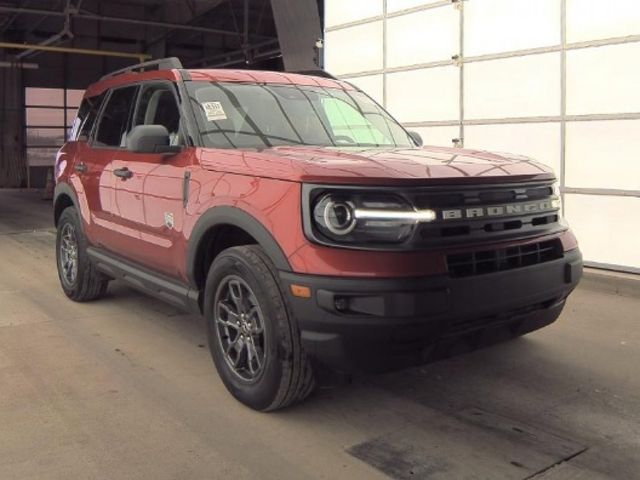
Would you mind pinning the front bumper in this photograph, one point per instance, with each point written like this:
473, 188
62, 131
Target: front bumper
374, 325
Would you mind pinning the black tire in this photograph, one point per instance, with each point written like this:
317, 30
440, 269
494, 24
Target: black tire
286, 376
87, 284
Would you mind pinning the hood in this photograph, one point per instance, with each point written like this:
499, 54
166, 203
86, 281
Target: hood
425, 165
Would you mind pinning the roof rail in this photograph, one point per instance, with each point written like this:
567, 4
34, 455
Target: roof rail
316, 73
160, 64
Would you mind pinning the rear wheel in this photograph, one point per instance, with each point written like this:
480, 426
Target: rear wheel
253, 337
79, 279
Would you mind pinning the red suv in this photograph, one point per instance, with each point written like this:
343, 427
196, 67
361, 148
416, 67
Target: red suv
305, 223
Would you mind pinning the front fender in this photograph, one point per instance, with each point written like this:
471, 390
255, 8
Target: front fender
228, 215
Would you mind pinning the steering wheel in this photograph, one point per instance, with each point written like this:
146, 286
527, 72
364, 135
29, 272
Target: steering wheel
344, 139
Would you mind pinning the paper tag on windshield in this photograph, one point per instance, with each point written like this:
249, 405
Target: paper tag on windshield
214, 111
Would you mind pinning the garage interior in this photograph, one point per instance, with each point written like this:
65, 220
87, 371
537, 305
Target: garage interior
124, 387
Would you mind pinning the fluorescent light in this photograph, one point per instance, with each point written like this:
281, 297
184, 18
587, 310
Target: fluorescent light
26, 65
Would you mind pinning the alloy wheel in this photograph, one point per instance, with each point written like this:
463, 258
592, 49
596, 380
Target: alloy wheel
68, 254
240, 327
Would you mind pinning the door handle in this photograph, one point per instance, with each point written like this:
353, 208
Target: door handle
123, 173
80, 168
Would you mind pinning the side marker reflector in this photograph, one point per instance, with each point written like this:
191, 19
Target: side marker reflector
301, 291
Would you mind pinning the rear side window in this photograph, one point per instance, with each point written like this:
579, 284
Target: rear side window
114, 120
86, 117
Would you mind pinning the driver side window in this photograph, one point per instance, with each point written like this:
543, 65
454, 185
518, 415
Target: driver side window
349, 125
157, 105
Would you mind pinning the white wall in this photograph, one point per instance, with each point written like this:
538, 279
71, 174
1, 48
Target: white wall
558, 80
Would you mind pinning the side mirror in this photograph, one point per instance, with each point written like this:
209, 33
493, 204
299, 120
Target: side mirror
416, 137
150, 139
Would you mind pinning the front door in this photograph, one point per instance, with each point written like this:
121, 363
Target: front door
149, 188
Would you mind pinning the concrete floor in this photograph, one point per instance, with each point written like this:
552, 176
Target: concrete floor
124, 388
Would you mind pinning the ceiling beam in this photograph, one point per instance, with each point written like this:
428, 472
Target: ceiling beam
82, 51
194, 19
104, 18
256, 52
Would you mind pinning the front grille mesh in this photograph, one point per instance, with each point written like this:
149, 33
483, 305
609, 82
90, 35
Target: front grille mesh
472, 228
486, 196
490, 261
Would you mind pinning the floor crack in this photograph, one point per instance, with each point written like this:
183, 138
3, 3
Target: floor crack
554, 465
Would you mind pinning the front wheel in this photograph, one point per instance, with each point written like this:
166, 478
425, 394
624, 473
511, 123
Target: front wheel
253, 337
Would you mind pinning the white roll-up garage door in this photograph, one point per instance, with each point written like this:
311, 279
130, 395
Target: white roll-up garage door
558, 80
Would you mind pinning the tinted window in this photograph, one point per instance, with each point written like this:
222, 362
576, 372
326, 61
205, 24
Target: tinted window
233, 115
157, 106
115, 118
86, 117
349, 124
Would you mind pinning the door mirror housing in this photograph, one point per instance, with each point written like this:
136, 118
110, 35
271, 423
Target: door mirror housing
151, 139
416, 137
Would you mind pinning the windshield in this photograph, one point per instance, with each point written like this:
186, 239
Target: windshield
236, 115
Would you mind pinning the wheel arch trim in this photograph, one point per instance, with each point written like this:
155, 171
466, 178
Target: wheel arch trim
227, 215
64, 189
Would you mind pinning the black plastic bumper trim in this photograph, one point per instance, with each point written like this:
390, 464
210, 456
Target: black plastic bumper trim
354, 323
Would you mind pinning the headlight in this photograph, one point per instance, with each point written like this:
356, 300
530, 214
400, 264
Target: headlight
338, 216
364, 218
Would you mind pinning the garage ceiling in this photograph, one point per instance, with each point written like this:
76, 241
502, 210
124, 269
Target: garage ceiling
228, 33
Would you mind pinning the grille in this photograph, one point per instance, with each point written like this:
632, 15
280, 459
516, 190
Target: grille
490, 261
465, 214
486, 196
495, 212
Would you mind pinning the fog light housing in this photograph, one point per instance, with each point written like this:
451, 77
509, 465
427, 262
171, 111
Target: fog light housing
341, 304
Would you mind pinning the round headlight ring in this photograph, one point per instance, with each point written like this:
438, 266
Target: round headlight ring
339, 217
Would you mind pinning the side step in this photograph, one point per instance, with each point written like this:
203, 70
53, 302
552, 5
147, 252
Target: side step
146, 280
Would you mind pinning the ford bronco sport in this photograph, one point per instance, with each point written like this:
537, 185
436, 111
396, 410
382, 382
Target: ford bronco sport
305, 224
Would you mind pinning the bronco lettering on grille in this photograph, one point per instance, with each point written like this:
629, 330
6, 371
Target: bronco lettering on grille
500, 210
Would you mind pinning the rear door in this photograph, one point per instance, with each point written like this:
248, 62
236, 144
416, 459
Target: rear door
107, 140
148, 206
91, 177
